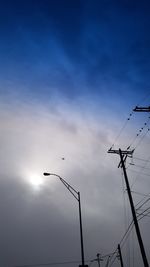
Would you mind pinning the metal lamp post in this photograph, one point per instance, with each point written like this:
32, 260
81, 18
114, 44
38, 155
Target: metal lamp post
76, 194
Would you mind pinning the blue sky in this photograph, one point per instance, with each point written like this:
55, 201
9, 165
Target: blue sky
70, 74
75, 48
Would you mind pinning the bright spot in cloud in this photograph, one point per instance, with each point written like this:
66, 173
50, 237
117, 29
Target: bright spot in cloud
36, 180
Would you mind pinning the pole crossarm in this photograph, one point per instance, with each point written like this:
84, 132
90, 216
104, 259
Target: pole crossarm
124, 152
67, 185
142, 109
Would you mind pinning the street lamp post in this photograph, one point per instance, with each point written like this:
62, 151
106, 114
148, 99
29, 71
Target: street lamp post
76, 194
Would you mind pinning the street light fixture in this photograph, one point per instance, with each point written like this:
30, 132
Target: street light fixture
76, 195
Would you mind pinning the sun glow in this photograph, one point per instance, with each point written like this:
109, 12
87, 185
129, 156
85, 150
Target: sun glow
36, 180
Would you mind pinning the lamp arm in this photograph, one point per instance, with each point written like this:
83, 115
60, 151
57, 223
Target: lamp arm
68, 186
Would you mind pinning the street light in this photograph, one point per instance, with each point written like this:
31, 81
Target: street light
76, 194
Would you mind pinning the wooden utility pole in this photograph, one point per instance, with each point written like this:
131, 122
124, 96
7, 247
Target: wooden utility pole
123, 155
120, 255
99, 259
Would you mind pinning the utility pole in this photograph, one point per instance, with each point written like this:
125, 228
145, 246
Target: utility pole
99, 259
123, 156
120, 255
142, 109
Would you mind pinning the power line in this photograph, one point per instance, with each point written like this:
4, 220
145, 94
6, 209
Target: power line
128, 119
139, 166
140, 159
113, 259
143, 99
143, 213
125, 236
143, 203
139, 172
138, 193
142, 138
139, 134
142, 199
121, 130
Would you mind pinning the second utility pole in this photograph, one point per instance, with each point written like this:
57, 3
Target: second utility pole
99, 259
120, 255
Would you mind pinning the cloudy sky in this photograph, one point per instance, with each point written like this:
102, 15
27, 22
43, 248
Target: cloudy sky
71, 71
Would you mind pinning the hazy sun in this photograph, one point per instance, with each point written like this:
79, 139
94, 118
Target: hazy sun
36, 180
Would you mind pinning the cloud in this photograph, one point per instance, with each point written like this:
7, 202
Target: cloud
33, 140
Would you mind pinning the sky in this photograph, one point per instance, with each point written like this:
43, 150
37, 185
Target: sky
71, 72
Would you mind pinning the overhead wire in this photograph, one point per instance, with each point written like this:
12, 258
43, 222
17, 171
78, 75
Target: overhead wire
138, 134
128, 119
122, 129
138, 193
145, 196
112, 260
139, 166
140, 172
133, 158
130, 227
142, 138
138, 175
125, 236
143, 204
143, 213
143, 99
137, 158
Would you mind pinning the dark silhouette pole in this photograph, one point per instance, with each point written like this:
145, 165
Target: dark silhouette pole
98, 259
81, 232
120, 256
134, 213
76, 194
123, 155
